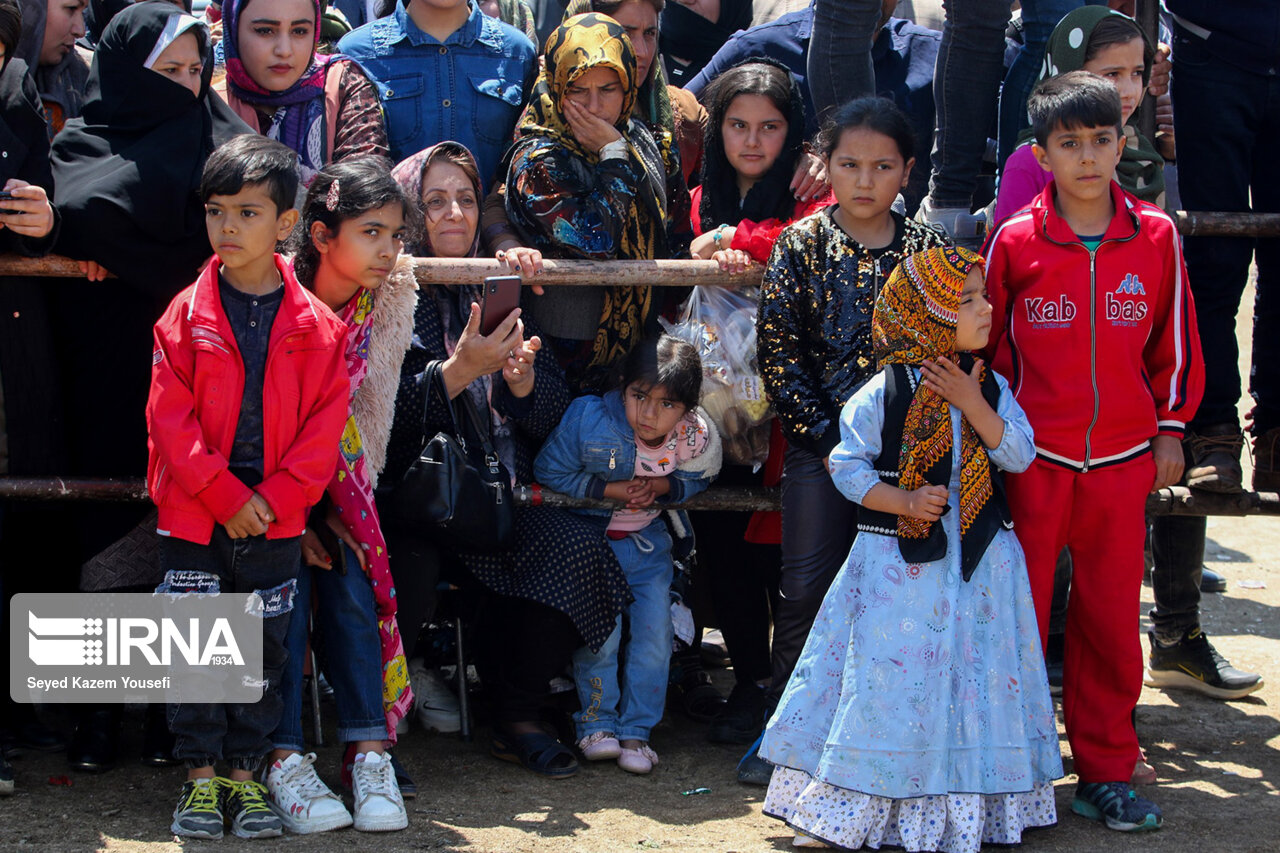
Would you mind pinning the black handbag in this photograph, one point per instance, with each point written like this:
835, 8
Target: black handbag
458, 492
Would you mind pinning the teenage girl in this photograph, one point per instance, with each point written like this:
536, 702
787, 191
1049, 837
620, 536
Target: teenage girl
643, 442
1111, 45
814, 349
753, 142
919, 712
353, 226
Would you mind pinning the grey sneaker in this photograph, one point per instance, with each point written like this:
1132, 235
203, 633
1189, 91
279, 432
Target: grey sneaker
1193, 663
957, 224
199, 811
251, 817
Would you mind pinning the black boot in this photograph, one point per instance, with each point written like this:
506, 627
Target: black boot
93, 744
157, 740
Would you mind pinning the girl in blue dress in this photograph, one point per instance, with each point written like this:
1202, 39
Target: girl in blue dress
919, 712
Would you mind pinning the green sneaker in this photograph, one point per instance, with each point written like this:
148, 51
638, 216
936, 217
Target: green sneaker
251, 817
1118, 804
199, 811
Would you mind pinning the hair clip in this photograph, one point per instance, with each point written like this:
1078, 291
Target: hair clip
331, 198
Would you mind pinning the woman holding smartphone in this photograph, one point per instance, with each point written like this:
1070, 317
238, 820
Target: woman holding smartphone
558, 585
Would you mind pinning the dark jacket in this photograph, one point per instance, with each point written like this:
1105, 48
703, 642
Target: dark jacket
813, 334
1245, 33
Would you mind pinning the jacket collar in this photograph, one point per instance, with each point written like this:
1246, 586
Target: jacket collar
297, 308
1124, 223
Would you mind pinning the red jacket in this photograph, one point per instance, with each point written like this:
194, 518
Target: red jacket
1100, 348
197, 382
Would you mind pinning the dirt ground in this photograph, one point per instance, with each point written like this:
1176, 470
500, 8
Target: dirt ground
1218, 765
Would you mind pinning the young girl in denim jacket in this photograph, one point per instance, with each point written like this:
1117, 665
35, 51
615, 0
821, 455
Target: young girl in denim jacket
642, 442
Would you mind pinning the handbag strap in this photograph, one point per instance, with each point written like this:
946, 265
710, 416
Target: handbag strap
434, 382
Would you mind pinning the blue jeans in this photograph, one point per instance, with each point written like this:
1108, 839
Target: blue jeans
966, 87
205, 732
1226, 121
346, 618
632, 705
839, 63
1039, 17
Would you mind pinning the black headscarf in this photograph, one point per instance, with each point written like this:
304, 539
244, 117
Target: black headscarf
127, 173
771, 196
688, 35
98, 14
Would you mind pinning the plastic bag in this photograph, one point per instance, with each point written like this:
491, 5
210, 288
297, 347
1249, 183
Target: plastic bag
721, 325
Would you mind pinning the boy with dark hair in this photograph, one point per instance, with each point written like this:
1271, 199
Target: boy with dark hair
248, 401
1094, 328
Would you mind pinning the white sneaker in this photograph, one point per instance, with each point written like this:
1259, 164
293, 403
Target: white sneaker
304, 803
435, 705
379, 806
956, 223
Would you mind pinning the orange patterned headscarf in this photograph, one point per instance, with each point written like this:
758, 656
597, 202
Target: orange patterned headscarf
915, 321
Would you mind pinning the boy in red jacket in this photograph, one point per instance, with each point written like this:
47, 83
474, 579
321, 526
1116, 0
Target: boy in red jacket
247, 405
1094, 327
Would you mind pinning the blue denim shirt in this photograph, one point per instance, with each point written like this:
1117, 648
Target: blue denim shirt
468, 88
594, 445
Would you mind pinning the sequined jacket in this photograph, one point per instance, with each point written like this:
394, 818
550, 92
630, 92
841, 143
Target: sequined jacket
813, 336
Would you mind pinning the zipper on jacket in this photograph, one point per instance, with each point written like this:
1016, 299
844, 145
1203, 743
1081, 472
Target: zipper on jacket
1093, 353
612, 462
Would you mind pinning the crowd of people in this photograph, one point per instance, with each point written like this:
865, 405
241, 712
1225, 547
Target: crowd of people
982, 341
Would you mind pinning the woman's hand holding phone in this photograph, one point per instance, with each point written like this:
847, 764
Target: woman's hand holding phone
25, 209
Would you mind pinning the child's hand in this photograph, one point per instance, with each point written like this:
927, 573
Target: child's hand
313, 551
247, 521
260, 506
927, 502
945, 378
645, 490
619, 490
1166, 452
732, 261
518, 371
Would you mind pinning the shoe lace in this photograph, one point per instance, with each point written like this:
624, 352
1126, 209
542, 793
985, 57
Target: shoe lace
1232, 442
303, 779
250, 796
203, 797
375, 779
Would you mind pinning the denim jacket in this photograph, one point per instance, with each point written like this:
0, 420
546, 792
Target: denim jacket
594, 445
469, 88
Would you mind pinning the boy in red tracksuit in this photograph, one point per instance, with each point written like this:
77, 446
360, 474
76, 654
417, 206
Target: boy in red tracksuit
1094, 328
248, 401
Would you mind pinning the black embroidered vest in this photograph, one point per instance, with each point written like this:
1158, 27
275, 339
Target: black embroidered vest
899, 388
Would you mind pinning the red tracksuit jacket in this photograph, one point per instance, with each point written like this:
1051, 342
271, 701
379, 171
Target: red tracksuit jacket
1100, 348
197, 382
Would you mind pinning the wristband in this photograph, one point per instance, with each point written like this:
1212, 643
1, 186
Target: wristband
718, 236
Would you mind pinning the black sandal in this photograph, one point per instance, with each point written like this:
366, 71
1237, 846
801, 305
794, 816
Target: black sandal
536, 751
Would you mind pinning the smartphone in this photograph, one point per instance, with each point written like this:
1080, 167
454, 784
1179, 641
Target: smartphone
5, 195
501, 296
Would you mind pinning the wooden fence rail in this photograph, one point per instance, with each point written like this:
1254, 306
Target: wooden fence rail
1178, 500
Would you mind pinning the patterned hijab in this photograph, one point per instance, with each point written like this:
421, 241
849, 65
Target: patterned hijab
653, 101
914, 320
412, 171
581, 43
298, 121
1141, 168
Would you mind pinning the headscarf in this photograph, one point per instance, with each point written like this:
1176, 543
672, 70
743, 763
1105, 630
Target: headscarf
597, 41
914, 321
299, 120
63, 84
690, 36
127, 173
770, 197
98, 14
520, 15
1141, 168
412, 171
653, 101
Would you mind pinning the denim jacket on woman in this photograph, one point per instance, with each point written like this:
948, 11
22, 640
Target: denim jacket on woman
594, 445
468, 88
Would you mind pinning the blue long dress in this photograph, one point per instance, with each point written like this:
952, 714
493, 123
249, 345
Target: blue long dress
919, 712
